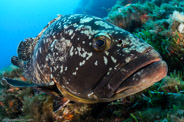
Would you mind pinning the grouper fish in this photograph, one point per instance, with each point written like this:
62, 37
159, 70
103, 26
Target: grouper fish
87, 60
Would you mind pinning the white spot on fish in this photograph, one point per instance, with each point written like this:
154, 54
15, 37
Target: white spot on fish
110, 69
65, 26
89, 55
82, 63
90, 94
84, 20
61, 71
103, 24
140, 72
107, 53
116, 67
51, 76
73, 36
123, 70
53, 43
71, 51
96, 63
108, 73
127, 60
74, 73
87, 31
66, 68
133, 78
79, 49
113, 59
105, 60
70, 32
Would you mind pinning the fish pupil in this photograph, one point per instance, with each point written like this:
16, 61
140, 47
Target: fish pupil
100, 43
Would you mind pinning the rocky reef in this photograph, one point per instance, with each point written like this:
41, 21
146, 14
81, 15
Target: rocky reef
158, 22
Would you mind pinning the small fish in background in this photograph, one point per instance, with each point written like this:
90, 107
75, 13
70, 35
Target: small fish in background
86, 59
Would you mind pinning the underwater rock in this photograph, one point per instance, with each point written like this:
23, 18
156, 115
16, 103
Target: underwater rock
133, 16
128, 17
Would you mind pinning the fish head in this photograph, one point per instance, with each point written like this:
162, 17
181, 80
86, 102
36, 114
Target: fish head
102, 62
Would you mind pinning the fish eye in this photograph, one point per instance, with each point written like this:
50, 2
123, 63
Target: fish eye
102, 42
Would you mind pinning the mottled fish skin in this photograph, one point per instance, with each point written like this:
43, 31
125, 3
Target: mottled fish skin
66, 54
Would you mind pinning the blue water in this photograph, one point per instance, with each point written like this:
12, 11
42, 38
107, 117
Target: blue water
21, 19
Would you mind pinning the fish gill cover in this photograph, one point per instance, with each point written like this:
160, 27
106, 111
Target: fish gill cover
159, 23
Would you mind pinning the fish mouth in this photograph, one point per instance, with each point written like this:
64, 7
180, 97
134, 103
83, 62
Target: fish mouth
144, 77
135, 76
151, 71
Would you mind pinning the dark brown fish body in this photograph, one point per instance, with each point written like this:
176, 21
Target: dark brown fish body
90, 60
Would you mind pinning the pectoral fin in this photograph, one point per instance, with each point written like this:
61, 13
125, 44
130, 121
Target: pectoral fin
49, 89
20, 84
